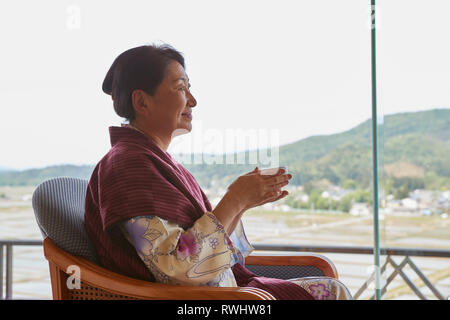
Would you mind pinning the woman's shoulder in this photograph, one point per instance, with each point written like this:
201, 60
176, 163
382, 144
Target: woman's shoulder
129, 148
125, 155
127, 151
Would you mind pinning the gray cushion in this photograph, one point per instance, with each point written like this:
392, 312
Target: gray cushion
285, 272
58, 206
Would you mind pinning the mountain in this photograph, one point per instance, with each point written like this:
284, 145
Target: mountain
421, 139
414, 148
33, 177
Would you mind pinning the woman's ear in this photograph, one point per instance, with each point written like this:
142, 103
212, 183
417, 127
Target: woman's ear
141, 102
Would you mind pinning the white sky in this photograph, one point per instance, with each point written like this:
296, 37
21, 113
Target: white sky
297, 68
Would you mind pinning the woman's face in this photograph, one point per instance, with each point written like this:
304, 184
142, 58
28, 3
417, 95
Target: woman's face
172, 102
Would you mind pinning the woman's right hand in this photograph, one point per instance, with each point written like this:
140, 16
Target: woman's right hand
253, 189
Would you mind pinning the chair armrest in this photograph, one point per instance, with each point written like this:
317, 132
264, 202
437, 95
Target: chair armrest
302, 259
109, 281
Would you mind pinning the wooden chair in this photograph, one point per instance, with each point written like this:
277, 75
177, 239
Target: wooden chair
76, 275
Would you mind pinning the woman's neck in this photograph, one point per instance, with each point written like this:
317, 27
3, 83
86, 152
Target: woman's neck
162, 142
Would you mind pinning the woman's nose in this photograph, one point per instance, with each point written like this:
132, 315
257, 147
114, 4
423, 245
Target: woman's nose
192, 102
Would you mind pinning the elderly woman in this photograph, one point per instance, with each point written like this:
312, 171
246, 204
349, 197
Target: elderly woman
145, 213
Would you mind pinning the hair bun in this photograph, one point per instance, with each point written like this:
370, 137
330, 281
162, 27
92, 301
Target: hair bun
108, 81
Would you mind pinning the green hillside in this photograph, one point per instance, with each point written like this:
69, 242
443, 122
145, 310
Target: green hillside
415, 152
33, 177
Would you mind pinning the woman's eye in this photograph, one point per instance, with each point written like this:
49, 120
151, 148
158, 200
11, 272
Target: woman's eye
184, 88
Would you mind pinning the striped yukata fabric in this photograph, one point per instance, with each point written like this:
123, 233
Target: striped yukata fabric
280, 289
137, 178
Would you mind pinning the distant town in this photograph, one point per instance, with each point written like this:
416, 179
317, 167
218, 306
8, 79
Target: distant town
335, 199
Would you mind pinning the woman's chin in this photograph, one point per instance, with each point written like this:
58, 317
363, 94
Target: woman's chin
180, 131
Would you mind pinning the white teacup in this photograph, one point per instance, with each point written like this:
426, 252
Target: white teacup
272, 171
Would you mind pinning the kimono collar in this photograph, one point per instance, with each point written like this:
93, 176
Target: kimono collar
126, 133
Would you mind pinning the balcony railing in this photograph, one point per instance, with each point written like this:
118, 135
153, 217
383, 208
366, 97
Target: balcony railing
7, 247
6, 264
389, 253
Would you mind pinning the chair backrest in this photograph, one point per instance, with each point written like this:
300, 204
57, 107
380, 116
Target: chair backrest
58, 206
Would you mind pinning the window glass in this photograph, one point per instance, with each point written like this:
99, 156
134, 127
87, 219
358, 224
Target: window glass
414, 105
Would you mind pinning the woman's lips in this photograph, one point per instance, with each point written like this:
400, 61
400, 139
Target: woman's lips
187, 115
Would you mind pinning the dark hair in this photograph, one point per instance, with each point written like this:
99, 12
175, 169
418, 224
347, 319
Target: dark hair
138, 68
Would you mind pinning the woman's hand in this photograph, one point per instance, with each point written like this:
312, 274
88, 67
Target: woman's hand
248, 191
256, 188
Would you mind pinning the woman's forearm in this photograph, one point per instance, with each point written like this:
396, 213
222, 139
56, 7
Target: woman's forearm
228, 212
235, 222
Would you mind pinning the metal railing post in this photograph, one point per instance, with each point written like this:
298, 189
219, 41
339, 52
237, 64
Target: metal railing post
1, 271
9, 271
376, 228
